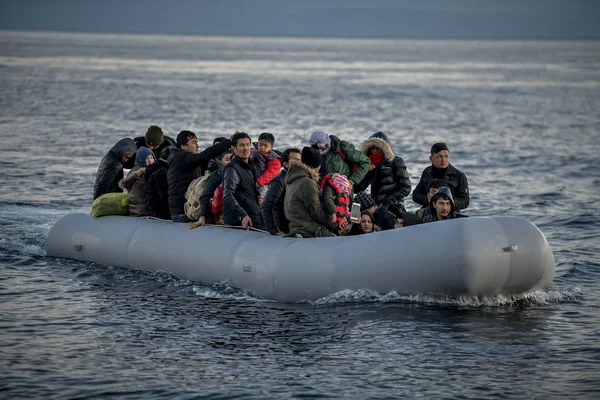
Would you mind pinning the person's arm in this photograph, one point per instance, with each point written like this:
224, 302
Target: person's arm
278, 213
162, 184
105, 179
358, 158
273, 168
328, 200
231, 180
312, 204
461, 195
212, 183
191, 160
402, 182
419, 195
268, 206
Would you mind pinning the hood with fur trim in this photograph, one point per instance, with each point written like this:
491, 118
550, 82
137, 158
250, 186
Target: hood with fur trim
385, 147
300, 171
132, 176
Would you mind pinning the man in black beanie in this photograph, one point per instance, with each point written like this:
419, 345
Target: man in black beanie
155, 140
441, 168
302, 205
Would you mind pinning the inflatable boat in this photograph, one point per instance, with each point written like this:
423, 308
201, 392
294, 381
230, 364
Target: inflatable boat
477, 256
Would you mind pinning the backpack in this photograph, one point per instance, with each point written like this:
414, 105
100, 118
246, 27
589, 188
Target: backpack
192, 197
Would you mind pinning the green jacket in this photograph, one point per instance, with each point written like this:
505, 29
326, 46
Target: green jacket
302, 206
336, 163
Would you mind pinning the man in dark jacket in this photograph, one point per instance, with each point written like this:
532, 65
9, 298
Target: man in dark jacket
441, 206
185, 165
110, 171
157, 187
441, 168
155, 140
272, 206
240, 196
388, 177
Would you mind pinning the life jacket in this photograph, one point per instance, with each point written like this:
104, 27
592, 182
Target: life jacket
353, 167
216, 203
192, 197
342, 197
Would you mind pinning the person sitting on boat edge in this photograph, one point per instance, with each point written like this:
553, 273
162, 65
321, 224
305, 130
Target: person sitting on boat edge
214, 180
240, 195
185, 165
302, 206
135, 183
271, 208
442, 206
432, 188
266, 163
388, 177
339, 156
110, 170
442, 169
157, 186
155, 140
381, 216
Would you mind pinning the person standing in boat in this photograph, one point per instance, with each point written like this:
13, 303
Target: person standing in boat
302, 206
339, 156
442, 206
185, 165
157, 186
388, 176
110, 171
271, 209
441, 168
135, 183
155, 140
240, 195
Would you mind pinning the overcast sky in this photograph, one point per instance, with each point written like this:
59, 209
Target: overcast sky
322, 18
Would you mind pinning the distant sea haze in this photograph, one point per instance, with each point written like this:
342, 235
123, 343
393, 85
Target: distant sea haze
520, 119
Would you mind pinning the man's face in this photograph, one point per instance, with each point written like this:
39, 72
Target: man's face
242, 149
430, 194
151, 146
264, 146
321, 148
442, 207
191, 146
226, 158
126, 157
441, 159
293, 156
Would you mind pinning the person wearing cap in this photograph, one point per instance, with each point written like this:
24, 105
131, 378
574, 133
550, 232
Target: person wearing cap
185, 165
302, 206
383, 218
110, 170
135, 183
441, 168
155, 140
442, 207
157, 187
339, 156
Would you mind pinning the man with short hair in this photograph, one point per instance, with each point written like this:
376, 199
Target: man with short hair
339, 156
441, 168
442, 206
272, 206
240, 196
432, 188
185, 165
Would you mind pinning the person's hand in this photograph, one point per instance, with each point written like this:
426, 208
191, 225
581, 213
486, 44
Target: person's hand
201, 222
343, 224
333, 219
260, 199
246, 222
280, 234
372, 167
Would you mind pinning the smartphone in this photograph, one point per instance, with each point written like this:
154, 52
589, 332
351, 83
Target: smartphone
355, 212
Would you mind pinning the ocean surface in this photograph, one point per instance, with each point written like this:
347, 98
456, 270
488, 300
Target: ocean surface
521, 119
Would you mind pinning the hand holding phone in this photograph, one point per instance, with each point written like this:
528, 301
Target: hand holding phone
355, 213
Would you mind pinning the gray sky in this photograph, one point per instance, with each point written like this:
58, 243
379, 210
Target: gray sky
559, 19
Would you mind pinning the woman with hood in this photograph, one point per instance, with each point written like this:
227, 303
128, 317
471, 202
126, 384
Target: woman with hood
388, 176
135, 183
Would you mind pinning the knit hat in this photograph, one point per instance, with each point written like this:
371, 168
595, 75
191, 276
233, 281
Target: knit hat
341, 182
320, 139
142, 154
365, 200
311, 157
154, 136
436, 148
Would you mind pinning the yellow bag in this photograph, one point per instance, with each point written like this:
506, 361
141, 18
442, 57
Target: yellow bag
110, 204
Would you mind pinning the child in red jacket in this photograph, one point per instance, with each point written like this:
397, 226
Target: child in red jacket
266, 163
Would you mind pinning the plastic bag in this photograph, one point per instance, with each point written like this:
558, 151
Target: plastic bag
110, 204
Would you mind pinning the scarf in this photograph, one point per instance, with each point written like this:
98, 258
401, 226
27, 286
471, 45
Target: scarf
376, 159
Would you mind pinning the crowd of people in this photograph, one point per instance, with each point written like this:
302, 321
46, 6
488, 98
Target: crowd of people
297, 192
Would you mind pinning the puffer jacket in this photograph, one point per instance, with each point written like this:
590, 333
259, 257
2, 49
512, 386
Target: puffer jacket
456, 180
390, 182
136, 191
110, 171
345, 159
240, 197
271, 208
157, 190
184, 167
302, 205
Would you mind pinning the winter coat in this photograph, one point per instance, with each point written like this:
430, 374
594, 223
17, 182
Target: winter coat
345, 159
389, 180
302, 205
141, 141
384, 219
432, 216
271, 208
240, 197
335, 200
136, 191
456, 181
110, 171
157, 190
184, 167
212, 183
265, 166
